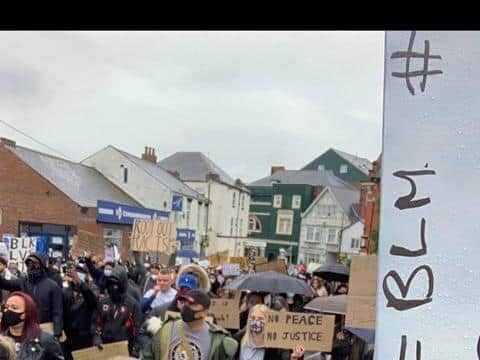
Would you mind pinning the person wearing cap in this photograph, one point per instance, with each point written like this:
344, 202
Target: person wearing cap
79, 304
44, 291
190, 336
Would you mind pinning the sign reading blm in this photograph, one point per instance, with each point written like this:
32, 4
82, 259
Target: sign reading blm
18, 250
286, 330
153, 235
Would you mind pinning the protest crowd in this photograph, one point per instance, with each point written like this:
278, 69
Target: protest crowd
136, 308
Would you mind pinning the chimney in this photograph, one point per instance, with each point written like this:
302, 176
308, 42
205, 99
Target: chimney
239, 183
212, 176
277, 169
149, 155
175, 173
8, 142
317, 190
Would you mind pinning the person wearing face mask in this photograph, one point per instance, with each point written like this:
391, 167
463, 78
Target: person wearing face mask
20, 323
79, 304
191, 336
252, 340
118, 317
46, 293
253, 298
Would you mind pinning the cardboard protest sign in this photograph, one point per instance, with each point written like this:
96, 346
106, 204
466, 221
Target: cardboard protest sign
238, 260
226, 311
285, 330
260, 260
108, 352
428, 253
176, 315
87, 241
153, 235
18, 250
218, 258
362, 292
231, 270
276, 265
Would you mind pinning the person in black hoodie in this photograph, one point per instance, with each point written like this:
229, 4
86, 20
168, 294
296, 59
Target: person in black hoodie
118, 316
46, 293
79, 303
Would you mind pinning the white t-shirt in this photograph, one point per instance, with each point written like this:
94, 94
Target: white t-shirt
162, 297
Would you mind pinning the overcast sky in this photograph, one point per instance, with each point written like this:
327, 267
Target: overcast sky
248, 100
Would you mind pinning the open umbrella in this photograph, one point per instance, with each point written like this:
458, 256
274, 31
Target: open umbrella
187, 253
333, 272
271, 281
329, 304
367, 335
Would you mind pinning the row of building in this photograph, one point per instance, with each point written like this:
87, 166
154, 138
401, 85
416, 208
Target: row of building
316, 214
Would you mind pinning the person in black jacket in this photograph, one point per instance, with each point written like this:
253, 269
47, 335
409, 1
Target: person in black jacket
79, 303
20, 323
44, 291
118, 316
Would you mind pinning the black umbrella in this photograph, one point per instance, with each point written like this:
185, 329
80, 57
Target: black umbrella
333, 272
271, 281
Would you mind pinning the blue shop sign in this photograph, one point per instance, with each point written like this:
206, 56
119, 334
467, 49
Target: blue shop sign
177, 202
114, 213
185, 236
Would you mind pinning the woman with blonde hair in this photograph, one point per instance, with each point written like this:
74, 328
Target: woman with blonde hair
252, 340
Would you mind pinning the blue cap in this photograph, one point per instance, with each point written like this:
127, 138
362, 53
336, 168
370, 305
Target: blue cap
188, 281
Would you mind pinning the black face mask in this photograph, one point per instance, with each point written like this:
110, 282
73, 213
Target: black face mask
115, 293
188, 315
11, 318
35, 274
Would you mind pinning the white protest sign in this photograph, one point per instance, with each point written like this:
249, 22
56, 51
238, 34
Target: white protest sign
231, 269
19, 249
428, 260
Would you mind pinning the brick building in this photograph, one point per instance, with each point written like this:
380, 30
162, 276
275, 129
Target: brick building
42, 195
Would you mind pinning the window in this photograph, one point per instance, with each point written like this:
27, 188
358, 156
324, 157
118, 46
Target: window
296, 201
277, 201
231, 226
310, 233
240, 227
234, 199
321, 167
242, 202
343, 169
112, 237
254, 224
332, 236
355, 243
317, 234
187, 212
284, 222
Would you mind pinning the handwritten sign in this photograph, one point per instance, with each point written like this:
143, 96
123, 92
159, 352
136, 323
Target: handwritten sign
238, 260
362, 292
427, 285
87, 241
218, 258
231, 270
277, 265
226, 312
18, 250
153, 235
286, 330
108, 352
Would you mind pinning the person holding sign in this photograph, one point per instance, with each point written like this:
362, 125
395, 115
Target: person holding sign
20, 322
191, 337
252, 340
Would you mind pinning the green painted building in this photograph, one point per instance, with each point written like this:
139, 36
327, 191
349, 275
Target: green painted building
276, 205
348, 167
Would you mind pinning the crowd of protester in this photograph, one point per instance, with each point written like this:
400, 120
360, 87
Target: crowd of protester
57, 307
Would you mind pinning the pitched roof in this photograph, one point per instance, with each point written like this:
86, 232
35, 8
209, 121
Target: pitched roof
361, 164
302, 177
81, 183
346, 196
162, 176
194, 166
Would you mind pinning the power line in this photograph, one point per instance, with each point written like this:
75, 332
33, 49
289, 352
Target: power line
33, 139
